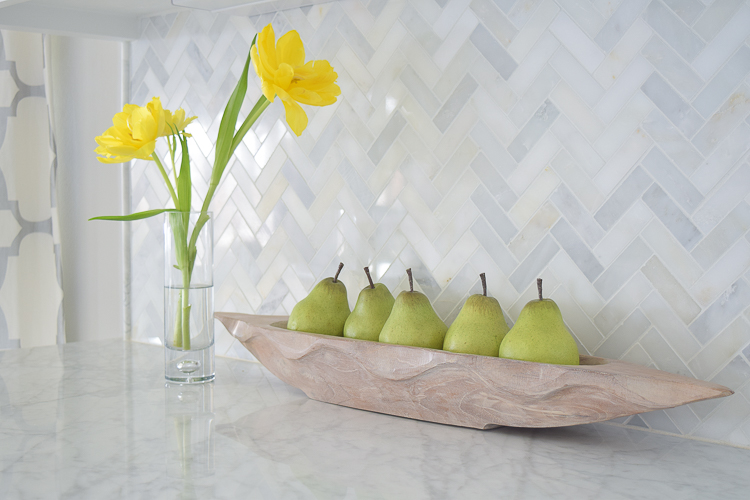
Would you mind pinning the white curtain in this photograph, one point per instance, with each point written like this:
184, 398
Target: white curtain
30, 263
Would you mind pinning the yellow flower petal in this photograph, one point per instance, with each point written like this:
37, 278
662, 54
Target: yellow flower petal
269, 89
267, 50
135, 130
143, 125
283, 72
283, 76
295, 115
289, 49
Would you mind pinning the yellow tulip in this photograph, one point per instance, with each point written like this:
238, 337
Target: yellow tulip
135, 130
177, 120
283, 72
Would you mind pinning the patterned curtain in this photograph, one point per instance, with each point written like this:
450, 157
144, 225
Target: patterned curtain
30, 263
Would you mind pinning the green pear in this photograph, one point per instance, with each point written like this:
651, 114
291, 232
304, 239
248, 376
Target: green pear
540, 335
371, 311
413, 321
479, 327
324, 310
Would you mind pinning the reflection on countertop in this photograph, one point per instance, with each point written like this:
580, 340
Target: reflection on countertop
96, 420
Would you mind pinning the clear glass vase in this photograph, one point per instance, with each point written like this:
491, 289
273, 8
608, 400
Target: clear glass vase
188, 297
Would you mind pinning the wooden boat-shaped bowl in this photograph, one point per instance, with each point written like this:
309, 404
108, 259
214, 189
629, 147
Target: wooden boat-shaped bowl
459, 389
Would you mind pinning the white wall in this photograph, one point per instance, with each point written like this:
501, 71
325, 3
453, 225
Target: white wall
87, 83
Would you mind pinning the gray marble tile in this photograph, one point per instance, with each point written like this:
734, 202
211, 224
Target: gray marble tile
734, 375
673, 30
355, 39
458, 288
579, 77
420, 182
355, 182
672, 105
618, 273
670, 326
326, 140
533, 130
721, 124
664, 356
421, 273
494, 246
577, 215
387, 224
723, 199
571, 242
199, 62
624, 336
455, 103
274, 298
384, 141
618, 23
659, 421
723, 83
672, 180
723, 346
715, 17
500, 26
493, 149
672, 142
495, 53
420, 29
667, 62
688, 10
719, 314
723, 236
528, 271
326, 252
494, 182
375, 7
671, 290
672, 217
420, 91
297, 183
488, 206
623, 197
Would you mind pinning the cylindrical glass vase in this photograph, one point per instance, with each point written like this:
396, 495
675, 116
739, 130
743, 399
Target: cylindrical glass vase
188, 297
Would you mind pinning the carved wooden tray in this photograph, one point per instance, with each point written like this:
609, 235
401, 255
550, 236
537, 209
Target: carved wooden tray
459, 389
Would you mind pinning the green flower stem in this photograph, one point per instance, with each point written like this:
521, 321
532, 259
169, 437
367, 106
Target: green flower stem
179, 223
186, 255
177, 338
166, 178
185, 296
255, 113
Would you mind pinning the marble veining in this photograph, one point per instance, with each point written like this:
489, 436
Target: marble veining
95, 420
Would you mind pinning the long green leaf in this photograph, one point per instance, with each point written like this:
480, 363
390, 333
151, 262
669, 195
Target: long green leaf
136, 216
229, 122
184, 183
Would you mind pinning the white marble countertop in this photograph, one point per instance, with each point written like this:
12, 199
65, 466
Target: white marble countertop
95, 420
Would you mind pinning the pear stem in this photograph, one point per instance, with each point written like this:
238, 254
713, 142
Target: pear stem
367, 272
411, 280
484, 284
341, 266
539, 287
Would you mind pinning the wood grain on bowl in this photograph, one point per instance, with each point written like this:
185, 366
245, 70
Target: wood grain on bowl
459, 389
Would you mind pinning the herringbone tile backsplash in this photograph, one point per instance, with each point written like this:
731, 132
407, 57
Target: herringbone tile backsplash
602, 147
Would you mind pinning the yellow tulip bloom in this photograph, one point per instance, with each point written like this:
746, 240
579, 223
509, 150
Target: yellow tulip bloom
177, 120
283, 72
135, 130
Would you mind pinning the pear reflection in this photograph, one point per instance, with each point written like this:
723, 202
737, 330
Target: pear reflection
189, 428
